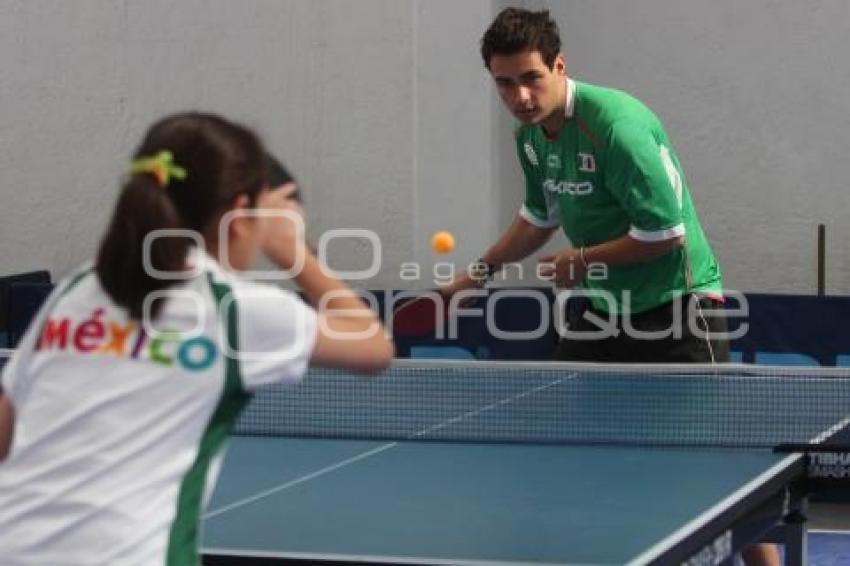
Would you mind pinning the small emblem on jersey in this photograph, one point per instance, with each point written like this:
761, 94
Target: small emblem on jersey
586, 163
553, 162
571, 188
532, 156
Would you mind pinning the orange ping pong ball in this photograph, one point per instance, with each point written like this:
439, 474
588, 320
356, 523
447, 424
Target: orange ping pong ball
443, 242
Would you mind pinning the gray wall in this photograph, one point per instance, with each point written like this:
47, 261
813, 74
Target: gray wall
385, 113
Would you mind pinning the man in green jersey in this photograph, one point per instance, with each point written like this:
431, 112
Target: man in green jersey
598, 163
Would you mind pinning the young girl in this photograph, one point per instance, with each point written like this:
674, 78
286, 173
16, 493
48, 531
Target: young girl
120, 397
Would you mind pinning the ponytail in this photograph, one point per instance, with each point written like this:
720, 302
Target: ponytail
184, 176
143, 206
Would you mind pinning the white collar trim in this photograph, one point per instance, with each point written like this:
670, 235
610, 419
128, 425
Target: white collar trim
570, 106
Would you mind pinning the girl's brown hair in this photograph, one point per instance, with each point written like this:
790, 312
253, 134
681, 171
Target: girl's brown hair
222, 160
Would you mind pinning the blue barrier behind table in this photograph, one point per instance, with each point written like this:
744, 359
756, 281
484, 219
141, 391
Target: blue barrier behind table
792, 330
789, 330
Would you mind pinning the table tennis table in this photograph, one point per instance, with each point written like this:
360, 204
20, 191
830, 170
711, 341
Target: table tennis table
503, 463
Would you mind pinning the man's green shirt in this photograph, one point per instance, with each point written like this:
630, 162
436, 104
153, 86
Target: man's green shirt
612, 171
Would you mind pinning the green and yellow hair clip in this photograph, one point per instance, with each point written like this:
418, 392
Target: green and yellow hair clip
161, 166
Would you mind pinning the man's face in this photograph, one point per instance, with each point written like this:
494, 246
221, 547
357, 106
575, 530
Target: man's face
531, 90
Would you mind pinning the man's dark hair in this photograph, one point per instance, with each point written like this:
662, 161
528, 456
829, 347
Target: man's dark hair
516, 30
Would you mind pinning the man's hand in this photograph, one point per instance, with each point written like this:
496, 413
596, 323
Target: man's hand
566, 268
460, 283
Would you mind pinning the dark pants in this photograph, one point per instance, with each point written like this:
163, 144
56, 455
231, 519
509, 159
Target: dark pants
691, 317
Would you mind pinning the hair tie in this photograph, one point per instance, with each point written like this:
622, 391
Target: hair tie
161, 166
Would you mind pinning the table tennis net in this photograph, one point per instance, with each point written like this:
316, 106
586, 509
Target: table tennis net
688, 406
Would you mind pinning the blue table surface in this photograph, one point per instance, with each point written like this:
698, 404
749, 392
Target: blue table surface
465, 501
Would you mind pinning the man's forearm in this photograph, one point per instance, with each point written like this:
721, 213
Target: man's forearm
626, 250
520, 240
